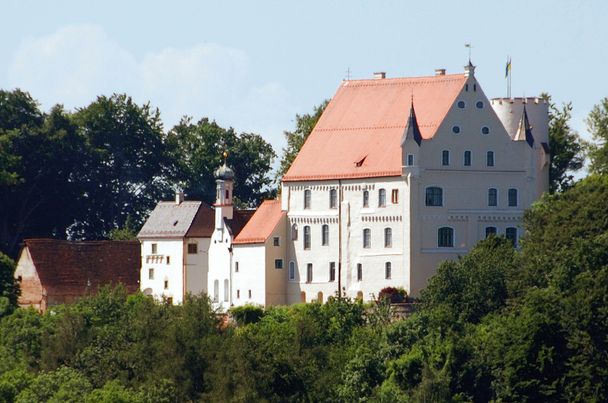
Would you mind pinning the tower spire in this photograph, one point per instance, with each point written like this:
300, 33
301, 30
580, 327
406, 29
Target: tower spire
524, 130
412, 130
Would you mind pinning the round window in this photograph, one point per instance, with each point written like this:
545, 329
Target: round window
456, 129
485, 130
461, 104
479, 104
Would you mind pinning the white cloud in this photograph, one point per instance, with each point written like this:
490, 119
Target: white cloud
76, 63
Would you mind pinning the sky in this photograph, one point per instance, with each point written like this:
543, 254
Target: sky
254, 65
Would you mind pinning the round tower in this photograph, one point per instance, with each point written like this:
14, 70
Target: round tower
510, 110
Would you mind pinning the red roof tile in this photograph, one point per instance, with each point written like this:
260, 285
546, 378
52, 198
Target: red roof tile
365, 121
261, 225
239, 220
75, 268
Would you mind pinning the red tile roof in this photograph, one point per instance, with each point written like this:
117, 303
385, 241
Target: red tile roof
364, 123
75, 268
239, 220
261, 225
203, 223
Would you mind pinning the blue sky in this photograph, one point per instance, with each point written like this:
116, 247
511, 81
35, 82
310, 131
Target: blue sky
254, 64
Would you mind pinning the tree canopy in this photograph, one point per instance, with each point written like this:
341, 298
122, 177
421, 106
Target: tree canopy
597, 124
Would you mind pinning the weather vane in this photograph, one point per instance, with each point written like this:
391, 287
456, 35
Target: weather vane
468, 45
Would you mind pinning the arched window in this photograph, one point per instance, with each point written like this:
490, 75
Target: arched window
434, 196
445, 237
302, 296
216, 290
332, 271
492, 197
467, 158
511, 234
307, 199
325, 235
294, 232
309, 273
490, 231
365, 198
333, 198
388, 237
292, 270
320, 297
512, 197
490, 158
359, 272
367, 238
387, 270
306, 237
381, 198
360, 295
226, 290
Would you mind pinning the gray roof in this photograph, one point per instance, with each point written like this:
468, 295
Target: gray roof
170, 220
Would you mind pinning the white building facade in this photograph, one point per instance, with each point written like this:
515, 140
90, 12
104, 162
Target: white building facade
397, 176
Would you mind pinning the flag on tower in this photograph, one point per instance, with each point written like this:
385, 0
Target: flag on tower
508, 67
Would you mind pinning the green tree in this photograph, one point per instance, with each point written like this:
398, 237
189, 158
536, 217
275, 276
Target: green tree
597, 124
196, 150
9, 288
127, 233
565, 144
125, 166
296, 138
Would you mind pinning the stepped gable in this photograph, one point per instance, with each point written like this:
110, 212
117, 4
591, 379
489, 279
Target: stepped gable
261, 225
359, 134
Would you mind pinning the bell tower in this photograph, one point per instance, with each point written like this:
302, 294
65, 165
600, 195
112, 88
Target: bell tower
224, 179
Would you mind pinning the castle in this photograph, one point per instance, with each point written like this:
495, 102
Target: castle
398, 175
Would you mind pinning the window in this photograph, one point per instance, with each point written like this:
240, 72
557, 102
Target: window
455, 129
490, 231
490, 158
292, 270
485, 130
154, 249
479, 104
475, 89
445, 157
367, 238
238, 294
332, 271
387, 270
466, 87
388, 237
333, 198
512, 197
445, 237
395, 196
511, 234
227, 193
461, 104
492, 197
276, 241
192, 248
309, 273
381, 198
278, 263
359, 272
410, 160
170, 300
216, 290
226, 290
306, 237
150, 274
166, 284
307, 199
294, 232
249, 294
467, 158
320, 296
325, 235
236, 267
365, 198
168, 259
434, 196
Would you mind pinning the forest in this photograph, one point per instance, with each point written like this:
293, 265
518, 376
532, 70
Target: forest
522, 324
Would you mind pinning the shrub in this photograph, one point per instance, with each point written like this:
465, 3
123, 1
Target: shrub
395, 295
246, 314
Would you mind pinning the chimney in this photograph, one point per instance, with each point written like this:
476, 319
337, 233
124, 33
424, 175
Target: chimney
440, 72
179, 197
380, 75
